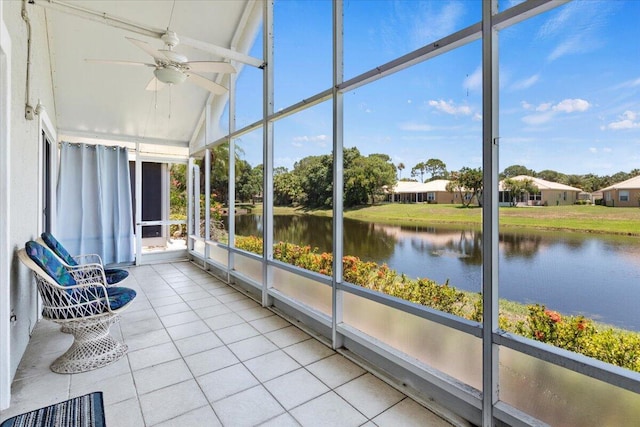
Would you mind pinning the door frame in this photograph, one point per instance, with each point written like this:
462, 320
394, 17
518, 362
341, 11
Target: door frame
47, 130
5, 246
146, 258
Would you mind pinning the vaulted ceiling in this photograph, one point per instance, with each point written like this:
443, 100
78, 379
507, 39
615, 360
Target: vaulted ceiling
110, 100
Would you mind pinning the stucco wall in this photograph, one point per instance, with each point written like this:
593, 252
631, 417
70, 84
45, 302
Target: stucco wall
612, 198
556, 197
24, 146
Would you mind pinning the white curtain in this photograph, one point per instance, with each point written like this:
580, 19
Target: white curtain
94, 202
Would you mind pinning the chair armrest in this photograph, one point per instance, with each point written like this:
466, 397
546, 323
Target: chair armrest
75, 301
88, 259
88, 273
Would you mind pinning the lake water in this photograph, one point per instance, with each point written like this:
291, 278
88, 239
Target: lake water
574, 273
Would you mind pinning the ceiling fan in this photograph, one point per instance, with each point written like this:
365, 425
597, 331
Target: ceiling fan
171, 67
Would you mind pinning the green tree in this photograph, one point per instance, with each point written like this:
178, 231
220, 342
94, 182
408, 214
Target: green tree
368, 176
248, 181
619, 177
468, 183
400, 167
437, 168
591, 183
574, 181
419, 169
315, 174
550, 175
178, 189
286, 187
518, 188
516, 170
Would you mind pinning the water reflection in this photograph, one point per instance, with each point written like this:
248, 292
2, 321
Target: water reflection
519, 245
575, 273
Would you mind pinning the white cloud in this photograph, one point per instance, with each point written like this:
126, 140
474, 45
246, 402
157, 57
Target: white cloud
306, 138
526, 83
607, 149
575, 28
627, 120
571, 105
545, 106
474, 81
477, 117
364, 107
450, 107
547, 110
424, 22
429, 24
593, 150
537, 119
557, 22
573, 45
628, 84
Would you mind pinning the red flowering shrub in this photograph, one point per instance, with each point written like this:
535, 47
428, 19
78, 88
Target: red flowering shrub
580, 335
554, 316
367, 274
574, 333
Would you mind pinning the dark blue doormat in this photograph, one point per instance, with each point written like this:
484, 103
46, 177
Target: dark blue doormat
82, 411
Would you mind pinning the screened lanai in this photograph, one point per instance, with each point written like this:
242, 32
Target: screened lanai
256, 183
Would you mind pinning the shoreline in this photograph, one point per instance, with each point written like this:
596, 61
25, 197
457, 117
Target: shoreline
623, 222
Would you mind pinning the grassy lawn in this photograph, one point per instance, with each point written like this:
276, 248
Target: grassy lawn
594, 219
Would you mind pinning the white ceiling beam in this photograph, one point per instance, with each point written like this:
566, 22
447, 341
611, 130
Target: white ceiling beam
128, 25
77, 136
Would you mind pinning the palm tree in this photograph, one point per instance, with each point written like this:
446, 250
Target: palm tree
400, 167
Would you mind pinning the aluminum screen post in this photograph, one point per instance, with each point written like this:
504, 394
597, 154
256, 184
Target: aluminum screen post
338, 176
267, 152
489, 211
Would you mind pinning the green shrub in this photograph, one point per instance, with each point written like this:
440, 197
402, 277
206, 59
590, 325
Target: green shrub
580, 335
249, 243
573, 333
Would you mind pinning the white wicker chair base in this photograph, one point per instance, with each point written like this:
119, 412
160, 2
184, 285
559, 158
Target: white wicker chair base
93, 347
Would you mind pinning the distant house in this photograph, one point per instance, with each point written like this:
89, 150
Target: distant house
549, 193
623, 194
418, 192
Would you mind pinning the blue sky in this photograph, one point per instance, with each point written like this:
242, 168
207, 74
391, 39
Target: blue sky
569, 86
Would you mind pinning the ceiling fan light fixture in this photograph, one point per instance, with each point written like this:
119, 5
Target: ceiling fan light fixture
170, 75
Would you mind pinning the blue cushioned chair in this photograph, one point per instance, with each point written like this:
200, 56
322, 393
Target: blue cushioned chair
79, 299
112, 275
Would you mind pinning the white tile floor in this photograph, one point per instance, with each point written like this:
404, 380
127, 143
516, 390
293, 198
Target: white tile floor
203, 354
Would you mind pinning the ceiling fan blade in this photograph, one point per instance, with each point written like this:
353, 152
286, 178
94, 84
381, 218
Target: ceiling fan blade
213, 87
118, 62
155, 84
210, 67
151, 51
